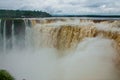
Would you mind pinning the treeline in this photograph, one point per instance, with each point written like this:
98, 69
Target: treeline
97, 16
22, 14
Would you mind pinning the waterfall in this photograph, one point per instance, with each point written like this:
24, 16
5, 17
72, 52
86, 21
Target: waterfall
57, 33
28, 34
0, 30
60, 49
67, 35
13, 35
4, 38
0, 36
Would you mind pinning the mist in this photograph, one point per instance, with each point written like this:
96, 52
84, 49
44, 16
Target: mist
93, 59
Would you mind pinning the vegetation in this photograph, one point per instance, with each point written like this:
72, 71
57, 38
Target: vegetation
5, 75
100, 16
22, 14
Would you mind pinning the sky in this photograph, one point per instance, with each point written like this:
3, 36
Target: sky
70, 7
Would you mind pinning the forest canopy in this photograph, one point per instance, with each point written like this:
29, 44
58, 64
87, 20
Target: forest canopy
22, 14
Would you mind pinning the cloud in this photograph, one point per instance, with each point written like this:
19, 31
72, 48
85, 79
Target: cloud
65, 6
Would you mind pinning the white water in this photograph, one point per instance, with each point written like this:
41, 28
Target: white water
13, 35
0, 35
92, 60
4, 38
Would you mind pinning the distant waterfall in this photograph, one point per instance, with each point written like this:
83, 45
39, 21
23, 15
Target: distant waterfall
4, 37
1, 48
28, 33
13, 35
0, 30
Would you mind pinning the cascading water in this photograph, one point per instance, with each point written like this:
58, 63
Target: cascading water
28, 34
4, 38
13, 36
0, 37
60, 49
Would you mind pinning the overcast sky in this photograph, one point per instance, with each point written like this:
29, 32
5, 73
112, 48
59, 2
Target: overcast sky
65, 6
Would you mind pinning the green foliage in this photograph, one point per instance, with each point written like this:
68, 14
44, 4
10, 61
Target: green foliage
22, 14
4, 75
